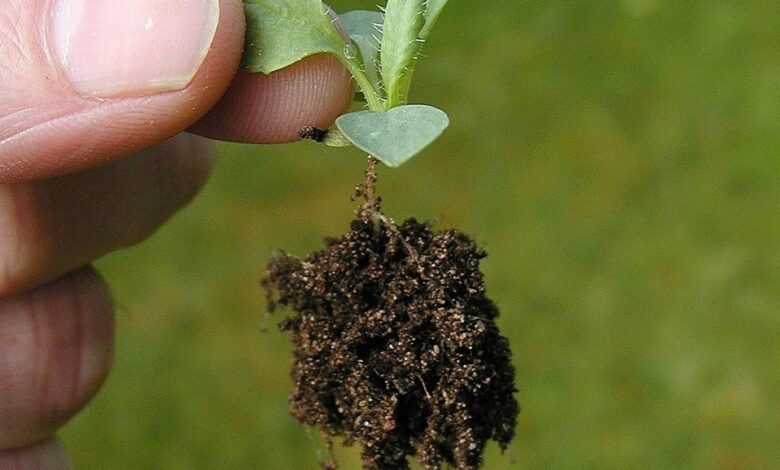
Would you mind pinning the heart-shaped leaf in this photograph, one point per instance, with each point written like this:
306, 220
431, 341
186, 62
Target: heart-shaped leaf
364, 28
394, 136
282, 32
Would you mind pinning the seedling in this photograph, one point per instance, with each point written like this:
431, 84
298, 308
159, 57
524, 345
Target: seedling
380, 50
396, 344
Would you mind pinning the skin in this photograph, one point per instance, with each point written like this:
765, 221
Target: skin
80, 178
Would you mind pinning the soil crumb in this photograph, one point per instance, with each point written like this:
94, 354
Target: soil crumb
396, 345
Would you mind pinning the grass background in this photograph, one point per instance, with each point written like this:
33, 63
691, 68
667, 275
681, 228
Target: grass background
618, 159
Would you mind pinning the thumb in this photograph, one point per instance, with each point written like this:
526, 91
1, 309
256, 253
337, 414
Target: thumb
83, 82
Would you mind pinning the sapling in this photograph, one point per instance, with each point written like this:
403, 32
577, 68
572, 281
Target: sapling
396, 345
380, 51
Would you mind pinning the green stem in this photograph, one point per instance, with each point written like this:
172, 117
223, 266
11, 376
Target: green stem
373, 98
401, 97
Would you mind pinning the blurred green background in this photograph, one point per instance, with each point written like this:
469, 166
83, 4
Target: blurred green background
618, 159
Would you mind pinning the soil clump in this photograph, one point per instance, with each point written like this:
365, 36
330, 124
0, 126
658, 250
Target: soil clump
396, 345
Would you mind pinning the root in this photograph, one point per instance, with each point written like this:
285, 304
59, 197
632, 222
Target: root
393, 228
371, 209
331, 463
364, 314
367, 190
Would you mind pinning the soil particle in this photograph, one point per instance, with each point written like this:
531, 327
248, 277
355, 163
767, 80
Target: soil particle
396, 345
313, 133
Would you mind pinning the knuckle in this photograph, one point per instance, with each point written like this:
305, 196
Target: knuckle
135, 233
56, 348
185, 168
175, 173
48, 454
17, 237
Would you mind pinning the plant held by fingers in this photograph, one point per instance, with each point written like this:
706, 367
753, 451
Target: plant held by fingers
380, 50
396, 344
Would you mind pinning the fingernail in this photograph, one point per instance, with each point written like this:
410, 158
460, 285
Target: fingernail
132, 47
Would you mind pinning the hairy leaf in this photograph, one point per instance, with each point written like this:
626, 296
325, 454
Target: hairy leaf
364, 28
403, 21
433, 9
394, 136
282, 32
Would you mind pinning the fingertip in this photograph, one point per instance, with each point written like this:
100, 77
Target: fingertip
273, 108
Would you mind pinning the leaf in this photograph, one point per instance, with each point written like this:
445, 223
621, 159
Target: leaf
334, 138
394, 136
403, 21
282, 32
364, 28
433, 9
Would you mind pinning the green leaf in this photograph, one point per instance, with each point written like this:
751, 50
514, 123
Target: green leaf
364, 28
433, 9
334, 138
403, 21
282, 32
394, 136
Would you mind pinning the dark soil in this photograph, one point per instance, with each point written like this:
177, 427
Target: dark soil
313, 133
396, 345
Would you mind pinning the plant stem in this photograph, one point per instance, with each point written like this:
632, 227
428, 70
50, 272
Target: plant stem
369, 186
367, 190
373, 98
401, 95
372, 208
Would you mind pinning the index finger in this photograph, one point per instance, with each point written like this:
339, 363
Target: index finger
273, 108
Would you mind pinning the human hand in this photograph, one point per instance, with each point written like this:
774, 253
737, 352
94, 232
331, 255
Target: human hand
95, 96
